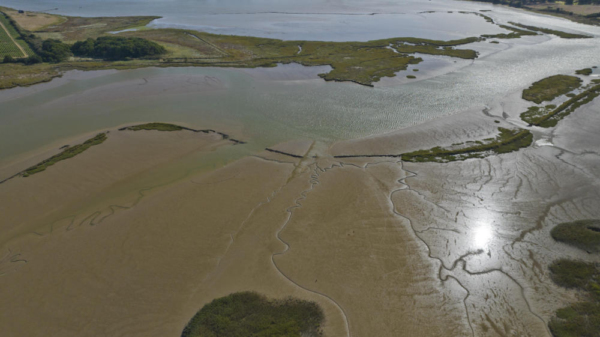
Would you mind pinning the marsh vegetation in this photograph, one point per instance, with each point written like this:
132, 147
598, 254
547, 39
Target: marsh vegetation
251, 314
584, 71
558, 33
507, 141
156, 127
67, 153
581, 318
550, 88
583, 234
550, 115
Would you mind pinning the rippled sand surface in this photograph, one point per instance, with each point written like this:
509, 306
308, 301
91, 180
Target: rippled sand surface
97, 246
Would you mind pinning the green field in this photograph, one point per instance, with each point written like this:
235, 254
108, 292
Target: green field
7, 46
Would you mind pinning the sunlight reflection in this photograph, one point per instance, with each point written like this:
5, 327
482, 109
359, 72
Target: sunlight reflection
482, 235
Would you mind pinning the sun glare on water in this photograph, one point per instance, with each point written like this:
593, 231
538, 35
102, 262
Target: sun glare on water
482, 236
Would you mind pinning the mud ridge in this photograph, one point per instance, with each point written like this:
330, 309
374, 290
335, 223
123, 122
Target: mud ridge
224, 135
284, 153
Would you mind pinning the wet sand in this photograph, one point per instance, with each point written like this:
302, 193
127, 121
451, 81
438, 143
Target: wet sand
121, 241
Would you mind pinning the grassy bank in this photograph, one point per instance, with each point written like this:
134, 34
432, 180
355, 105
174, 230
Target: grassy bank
549, 116
584, 71
581, 318
155, 127
251, 314
583, 234
558, 33
69, 152
550, 88
507, 141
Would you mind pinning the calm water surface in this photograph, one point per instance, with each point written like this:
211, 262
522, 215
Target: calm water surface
267, 106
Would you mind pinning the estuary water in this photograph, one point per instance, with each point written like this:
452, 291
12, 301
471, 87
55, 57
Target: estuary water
323, 20
267, 106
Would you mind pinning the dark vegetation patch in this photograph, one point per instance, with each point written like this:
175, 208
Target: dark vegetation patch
581, 318
549, 116
156, 126
583, 234
550, 88
507, 141
251, 314
117, 48
65, 154
585, 71
575, 274
54, 51
411, 76
558, 33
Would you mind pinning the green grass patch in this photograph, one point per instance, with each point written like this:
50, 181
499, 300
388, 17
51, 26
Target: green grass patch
156, 127
411, 76
584, 71
582, 318
7, 46
65, 154
558, 33
550, 88
575, 274
251, 314
507, 141
550, 116
583, 234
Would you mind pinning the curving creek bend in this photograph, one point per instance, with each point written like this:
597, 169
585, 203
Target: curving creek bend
132, 237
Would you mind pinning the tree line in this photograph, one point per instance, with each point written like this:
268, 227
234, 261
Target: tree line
110, 48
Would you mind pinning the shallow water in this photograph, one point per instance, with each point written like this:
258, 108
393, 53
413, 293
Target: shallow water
267, 106
298, 20
290, 20
273, 105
